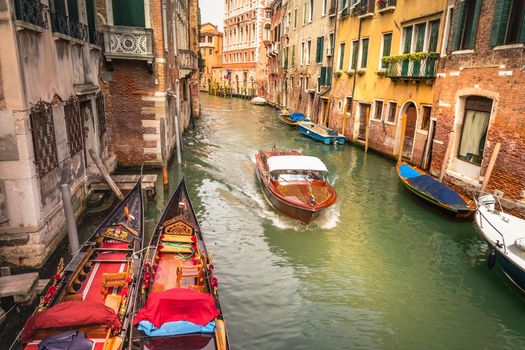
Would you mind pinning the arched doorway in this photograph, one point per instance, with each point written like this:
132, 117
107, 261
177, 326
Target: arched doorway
410, 120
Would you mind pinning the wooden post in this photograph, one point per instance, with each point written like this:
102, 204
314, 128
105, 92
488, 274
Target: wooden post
402, 141
367, 117
165, 177
105, 173
345, 110
492, 162
326, 110
447, 155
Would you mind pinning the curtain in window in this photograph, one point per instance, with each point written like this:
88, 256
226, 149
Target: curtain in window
473, 136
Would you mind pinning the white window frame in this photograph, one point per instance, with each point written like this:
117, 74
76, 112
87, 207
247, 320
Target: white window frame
305, 13
390, 102
311, 11
309, 52
380, 65
414, 35
373, 110
325, 5
446, 31
339, 63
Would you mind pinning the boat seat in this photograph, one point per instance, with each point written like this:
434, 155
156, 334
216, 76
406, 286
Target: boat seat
196, 271
177, 238
113, 301
110, 280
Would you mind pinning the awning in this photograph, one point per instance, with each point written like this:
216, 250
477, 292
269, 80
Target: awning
296, 163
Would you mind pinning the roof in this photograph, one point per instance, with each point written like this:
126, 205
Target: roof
295, 163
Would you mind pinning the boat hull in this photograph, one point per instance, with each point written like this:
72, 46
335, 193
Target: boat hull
317, 137
283, 118
303, 215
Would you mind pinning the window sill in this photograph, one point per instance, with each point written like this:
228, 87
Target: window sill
387, 9
463, 178
70, 39
21, 25
511, 46
361, 71
390, 123
366, 15
376, 120
381, 72
463, 52
350, 72
422, 132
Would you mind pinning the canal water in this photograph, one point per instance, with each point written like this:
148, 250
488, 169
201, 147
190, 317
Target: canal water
376, 271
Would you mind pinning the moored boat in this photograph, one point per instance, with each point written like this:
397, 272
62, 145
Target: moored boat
179, 302
259, 101
435, 193
320, 133
87, 302
295, 184
505, 235
291, 118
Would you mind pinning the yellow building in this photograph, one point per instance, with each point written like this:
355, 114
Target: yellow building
210, 48
392, 98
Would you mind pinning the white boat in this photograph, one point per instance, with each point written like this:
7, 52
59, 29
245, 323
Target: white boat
505, 235
258, 101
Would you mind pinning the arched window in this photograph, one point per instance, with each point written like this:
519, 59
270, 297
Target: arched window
267, 29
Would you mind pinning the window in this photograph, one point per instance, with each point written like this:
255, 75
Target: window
308, 51
319, 50
43, 134
74, 125
267, 35
268, 14
295, 18
129, 13
425, 120
341, 56
422, 37
305, 13
302, 53
211, 52
474, 129
364, 53
508, 23
392, 109
293, 56
311, 17
210, 39
464, 24
386, 46
378, 110
325, 5
353, 58
306, 83
348, 105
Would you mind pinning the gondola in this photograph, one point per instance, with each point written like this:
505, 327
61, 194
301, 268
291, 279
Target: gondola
291, 119
435, 193
178, 304
87, 302
320, 133
294, 184
505, 235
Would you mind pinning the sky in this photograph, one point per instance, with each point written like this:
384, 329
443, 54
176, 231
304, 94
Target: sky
212, 11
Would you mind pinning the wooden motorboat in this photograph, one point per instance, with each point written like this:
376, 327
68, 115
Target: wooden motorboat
88, 300
320, 133
505, 235
291, 119
295, 184
435, 193
178, 284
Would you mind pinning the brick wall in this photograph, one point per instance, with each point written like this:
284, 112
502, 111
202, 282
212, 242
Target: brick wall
496, 74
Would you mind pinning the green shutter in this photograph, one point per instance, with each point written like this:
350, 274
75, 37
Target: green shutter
72, 9
354, 55
293, 56
408, 39
59, 6
458, 22
319, 50
420, 38
434, 34
522, 30
470, 33
129, 13
364, 54
387, 47
499, 22
322, 77
328, 76
322, 49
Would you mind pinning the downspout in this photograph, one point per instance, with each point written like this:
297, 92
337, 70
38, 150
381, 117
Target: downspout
356, 66
333, 59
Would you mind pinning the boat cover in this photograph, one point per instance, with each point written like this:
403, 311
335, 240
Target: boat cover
178, 304
295, 163
72, 340
436, 189
297, 117
407, 171
175, 328
70, 314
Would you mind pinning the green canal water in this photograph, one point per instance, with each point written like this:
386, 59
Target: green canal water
376, 271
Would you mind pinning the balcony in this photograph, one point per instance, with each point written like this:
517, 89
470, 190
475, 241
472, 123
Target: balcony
65, 27
187, 59
31, 14
128, 43
419, 66
386, 5
364, 9
95, 37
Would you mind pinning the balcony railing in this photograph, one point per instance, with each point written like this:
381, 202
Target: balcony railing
132, 43
95, 37
187, 59
31, 11
364, 7
412, 69
63, 24
385, 4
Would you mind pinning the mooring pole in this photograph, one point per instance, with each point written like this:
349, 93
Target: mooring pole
165, 177
71, 223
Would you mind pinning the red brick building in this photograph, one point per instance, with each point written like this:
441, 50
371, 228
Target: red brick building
150, 76
479, 98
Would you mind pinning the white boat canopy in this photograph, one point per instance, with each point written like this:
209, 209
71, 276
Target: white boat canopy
295, 163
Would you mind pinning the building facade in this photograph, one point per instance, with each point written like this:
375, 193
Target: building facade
51, 116
150, 76
244, 27
385, 70
477, 99
210, 48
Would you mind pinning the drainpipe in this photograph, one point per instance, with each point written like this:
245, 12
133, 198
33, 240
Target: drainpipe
356, 66
335, 36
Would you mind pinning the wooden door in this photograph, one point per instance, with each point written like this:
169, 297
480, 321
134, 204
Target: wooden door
410, 131
364, 113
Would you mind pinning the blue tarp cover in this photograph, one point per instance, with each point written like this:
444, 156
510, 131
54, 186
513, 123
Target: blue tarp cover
407, 172
297, 117
436, 189
175, 328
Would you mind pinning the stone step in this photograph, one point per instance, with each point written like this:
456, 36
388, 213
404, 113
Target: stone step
22, 287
